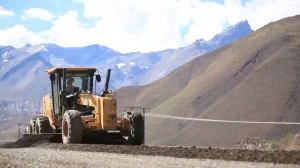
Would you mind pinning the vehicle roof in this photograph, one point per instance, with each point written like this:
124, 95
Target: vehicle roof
53, 70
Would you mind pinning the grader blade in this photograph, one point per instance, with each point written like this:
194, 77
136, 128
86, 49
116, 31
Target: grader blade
46, 137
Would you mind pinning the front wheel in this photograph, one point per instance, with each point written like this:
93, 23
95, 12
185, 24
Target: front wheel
137, 128
72, 127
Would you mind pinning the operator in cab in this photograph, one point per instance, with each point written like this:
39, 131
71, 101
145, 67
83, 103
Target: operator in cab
70, 87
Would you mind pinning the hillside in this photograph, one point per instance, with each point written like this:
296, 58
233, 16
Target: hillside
255, 78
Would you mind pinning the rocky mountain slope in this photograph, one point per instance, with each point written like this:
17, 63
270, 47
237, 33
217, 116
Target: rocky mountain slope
255, 78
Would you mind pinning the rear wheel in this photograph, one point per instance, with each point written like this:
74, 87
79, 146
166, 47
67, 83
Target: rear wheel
72, 127
42, 125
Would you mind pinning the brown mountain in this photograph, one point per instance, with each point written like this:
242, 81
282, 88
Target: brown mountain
256, 78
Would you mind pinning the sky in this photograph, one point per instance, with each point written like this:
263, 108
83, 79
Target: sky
131, 25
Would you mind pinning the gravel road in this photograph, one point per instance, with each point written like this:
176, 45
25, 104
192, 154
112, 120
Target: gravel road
44, 151
41, 157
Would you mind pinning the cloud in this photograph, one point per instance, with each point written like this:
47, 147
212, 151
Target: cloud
151, 25
147, 25
67, 31
18, 36
37, 13
4, 12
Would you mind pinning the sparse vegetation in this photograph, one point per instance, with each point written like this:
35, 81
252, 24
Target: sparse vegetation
289, 137
275, 145
289, 142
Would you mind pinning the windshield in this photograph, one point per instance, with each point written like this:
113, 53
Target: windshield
79, 80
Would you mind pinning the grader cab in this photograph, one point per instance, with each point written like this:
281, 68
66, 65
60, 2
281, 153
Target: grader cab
75, 111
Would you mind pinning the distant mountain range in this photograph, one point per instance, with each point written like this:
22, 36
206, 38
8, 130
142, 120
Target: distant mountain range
23, 76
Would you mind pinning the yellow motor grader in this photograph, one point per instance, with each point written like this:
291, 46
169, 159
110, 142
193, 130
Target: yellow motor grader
74, 110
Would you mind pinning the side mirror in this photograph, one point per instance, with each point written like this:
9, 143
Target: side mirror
52, 77
98, 78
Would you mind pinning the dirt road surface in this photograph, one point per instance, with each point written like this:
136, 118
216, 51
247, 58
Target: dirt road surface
44, 151
41, 157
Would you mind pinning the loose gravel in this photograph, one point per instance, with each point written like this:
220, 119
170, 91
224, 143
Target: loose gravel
283, 157
33, 140
40, 157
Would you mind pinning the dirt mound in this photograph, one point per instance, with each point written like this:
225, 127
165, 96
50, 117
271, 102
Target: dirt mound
34, 140
31, 140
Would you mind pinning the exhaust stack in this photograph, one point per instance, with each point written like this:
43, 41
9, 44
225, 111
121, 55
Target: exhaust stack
105, 90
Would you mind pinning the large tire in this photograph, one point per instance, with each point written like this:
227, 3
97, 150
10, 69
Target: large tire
72, 127
137, 128
42, 125
32, 125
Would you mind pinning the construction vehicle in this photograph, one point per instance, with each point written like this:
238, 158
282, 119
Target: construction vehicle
76, 112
